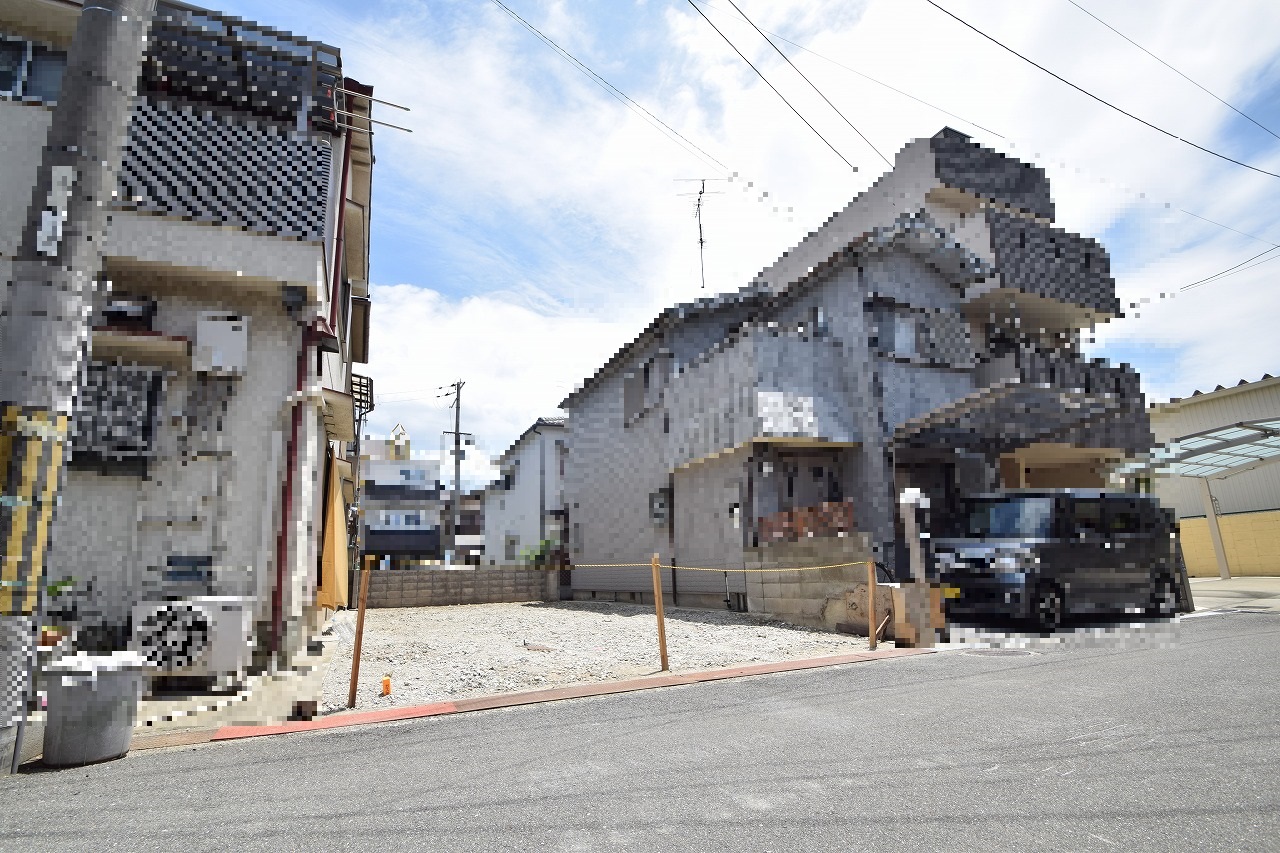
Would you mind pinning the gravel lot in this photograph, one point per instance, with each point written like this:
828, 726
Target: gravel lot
436, 654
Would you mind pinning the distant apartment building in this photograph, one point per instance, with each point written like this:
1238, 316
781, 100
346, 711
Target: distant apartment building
525, 515
211, 435
402, 503
927, 335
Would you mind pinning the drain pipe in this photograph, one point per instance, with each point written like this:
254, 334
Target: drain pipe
319, 336
286, 499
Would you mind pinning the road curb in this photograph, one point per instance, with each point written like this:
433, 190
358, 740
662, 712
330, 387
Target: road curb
554, 694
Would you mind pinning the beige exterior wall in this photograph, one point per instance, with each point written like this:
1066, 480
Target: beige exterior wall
1251, 539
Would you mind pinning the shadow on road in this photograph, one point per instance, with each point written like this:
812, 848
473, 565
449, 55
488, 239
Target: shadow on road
1130, 633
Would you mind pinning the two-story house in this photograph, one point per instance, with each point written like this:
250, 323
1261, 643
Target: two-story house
214, 415
524, 510
926, 335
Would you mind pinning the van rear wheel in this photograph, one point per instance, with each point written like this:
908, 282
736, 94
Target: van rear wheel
1048, 608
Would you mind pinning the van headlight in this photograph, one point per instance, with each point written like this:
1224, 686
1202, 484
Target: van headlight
1013, 561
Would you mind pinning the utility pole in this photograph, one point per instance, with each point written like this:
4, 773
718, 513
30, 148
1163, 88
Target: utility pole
44, 332
456, 392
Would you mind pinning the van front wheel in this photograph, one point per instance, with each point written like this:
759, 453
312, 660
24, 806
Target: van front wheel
1048, 608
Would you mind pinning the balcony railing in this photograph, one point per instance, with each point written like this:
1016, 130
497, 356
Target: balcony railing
1063, 370
816, 522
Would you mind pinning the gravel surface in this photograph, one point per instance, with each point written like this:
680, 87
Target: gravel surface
437, 654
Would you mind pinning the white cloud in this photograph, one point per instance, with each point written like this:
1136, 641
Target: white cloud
508, 136
517, 365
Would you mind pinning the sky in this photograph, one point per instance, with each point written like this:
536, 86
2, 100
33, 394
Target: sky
533, 223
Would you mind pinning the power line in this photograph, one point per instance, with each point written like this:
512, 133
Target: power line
1233, 270
868, 77
1098, 99
606, 85
968, 121
770, 85
810, 82
1171, 68
1229, 228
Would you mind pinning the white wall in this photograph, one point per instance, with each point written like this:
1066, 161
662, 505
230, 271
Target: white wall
514, 512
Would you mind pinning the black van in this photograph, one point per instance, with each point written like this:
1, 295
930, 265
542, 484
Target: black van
1040, 555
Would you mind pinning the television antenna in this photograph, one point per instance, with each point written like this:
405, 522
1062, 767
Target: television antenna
697, 214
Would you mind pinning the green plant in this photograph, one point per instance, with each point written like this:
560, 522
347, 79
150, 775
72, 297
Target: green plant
538, 556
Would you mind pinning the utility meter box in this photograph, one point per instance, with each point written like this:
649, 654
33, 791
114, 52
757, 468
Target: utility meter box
222, 344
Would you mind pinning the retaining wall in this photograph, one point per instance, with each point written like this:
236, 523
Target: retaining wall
832, 599
433, 587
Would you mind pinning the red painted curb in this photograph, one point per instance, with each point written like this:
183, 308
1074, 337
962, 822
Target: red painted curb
337, 721
553, 694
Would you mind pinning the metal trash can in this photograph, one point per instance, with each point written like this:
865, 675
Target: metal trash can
92, 705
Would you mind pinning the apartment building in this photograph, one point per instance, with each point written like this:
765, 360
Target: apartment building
402, 502
210, 450
927, 335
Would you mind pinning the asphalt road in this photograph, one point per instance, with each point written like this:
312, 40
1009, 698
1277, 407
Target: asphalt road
1074, 748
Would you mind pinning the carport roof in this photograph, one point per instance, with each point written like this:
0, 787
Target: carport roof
1215, 453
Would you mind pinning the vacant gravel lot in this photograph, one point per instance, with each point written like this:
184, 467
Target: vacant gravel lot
439, 653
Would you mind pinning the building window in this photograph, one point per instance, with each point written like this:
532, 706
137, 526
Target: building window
818, 327
30, 71
642, 388
44, 74
903, 336
660, 507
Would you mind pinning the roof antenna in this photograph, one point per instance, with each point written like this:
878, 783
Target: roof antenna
697, 214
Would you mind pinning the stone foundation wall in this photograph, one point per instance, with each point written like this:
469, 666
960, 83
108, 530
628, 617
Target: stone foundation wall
831, 599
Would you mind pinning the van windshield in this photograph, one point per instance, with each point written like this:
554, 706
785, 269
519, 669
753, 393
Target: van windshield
1009, 518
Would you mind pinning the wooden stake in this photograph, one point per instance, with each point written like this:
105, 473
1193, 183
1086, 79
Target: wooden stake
872, 630
355, 653
657, 606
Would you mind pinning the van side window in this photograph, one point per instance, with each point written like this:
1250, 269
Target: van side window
1122, 519
1088, 518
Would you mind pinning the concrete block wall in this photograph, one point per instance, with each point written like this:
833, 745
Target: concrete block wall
440, 587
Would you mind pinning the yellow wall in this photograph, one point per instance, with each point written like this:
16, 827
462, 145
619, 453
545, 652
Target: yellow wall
1252, 540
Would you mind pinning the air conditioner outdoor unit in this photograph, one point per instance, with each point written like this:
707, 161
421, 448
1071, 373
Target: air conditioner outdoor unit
222, 343
206, 636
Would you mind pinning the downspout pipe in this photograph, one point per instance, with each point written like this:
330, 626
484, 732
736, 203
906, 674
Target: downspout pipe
295, 418
314, 336
286, 500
